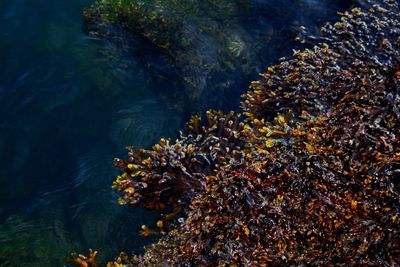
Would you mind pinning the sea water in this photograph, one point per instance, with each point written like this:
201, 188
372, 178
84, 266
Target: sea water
69, 104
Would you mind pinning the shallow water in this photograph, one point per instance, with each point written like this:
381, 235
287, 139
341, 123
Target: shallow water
69, 104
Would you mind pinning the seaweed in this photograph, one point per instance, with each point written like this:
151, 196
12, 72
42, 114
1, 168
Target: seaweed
308, 176
171, 173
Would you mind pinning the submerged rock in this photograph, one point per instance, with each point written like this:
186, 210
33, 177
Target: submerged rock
208, 46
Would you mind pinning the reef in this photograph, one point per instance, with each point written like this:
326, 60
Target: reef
308, 174
208, 46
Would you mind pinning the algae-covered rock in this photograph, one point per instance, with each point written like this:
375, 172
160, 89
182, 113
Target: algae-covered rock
200, 38
209, 46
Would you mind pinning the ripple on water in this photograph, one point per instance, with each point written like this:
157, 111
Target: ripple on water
61, 220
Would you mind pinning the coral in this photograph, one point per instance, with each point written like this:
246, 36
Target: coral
309, 177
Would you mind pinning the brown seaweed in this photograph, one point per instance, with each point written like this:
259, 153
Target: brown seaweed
309, 177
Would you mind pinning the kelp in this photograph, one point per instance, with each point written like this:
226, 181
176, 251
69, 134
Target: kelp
311, 176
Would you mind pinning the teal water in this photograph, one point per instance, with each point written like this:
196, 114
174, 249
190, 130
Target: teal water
66, 110
69, 104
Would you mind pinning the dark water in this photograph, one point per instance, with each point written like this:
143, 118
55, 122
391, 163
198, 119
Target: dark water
69, 104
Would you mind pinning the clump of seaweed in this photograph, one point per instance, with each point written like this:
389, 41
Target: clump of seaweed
171, 173
311, 176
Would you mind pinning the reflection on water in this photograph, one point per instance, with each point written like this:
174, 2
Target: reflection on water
69, 104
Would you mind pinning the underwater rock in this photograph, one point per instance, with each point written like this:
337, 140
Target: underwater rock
191, 33
210, 46
309, 177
